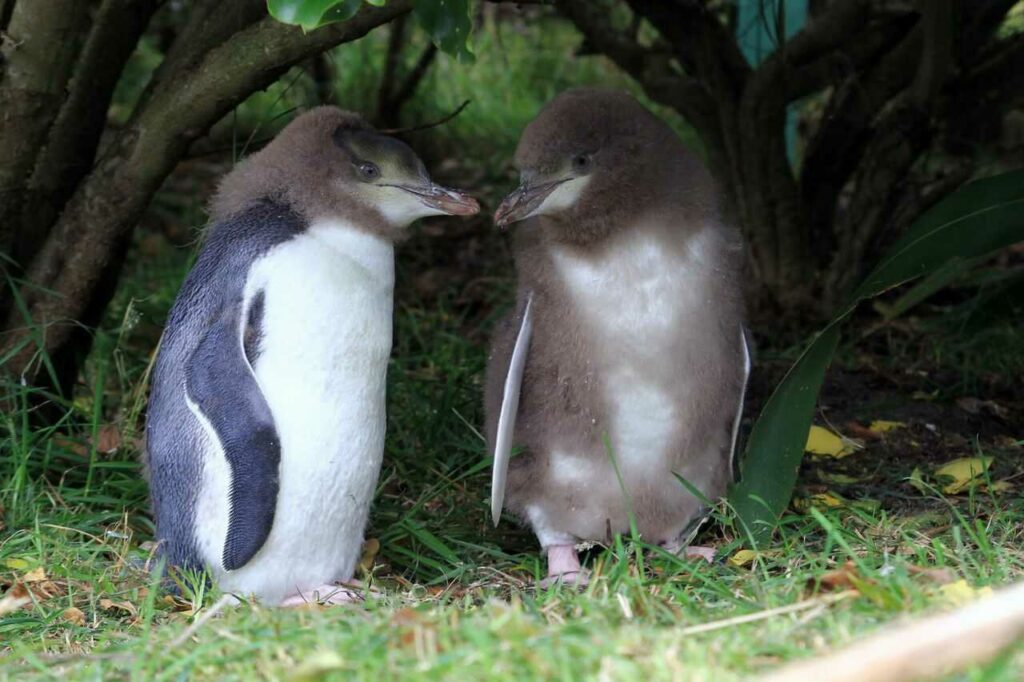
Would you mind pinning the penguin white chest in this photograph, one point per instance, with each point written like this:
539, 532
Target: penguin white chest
323, 348
630, 300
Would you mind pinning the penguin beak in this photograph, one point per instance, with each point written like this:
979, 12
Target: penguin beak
450, 201
523, 201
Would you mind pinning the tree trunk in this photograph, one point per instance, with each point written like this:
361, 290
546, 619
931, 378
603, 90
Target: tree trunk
227, 52
888, 70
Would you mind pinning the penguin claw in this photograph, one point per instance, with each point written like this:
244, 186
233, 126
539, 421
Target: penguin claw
578, 579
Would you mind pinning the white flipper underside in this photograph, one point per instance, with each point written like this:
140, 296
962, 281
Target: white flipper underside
691, 532
743, 394
507, 416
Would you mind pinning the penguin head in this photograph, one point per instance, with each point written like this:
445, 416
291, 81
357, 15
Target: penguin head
590, 161
331, 164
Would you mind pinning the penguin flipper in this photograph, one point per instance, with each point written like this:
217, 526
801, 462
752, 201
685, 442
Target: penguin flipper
507, 416
220, 384
743, 393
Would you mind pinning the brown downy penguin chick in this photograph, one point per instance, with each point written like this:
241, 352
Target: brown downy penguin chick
625, 362
265, 428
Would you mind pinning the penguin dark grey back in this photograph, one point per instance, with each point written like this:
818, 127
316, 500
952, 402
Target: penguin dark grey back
266, 419
629, 317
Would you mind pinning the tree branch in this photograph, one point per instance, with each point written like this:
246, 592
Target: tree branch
704, 46
651, 71
37, 54
73, 140
100, 215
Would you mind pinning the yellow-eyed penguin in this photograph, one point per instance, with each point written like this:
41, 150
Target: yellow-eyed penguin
265, 427
625, 361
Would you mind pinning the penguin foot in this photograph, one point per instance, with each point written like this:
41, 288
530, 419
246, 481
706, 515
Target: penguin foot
326, 595
564, 568
579, 579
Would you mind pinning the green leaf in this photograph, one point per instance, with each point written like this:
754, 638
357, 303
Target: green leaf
776, 444
980, 218
311, 14
938, 279
448, 24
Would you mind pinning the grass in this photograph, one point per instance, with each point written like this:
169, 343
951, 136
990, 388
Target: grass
458, 598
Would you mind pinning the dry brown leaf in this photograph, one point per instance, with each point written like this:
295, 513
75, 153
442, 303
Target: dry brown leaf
108, 439
74, 616
14, 599
124, 606
36, 575
858, 430
939, 576
846, 577
72, 446
977, 406
370, 549
177, 604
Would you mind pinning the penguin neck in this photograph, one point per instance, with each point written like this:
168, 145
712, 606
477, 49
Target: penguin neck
373, 252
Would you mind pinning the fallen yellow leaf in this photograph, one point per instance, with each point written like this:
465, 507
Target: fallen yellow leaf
960, 592
916, 480
821, 441
74, 616
16, 564
840, 479
828, 499
998, 487
963, 472
743, 557
883, 426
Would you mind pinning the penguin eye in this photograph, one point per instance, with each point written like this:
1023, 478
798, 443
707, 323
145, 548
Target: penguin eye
581, 163
368, 171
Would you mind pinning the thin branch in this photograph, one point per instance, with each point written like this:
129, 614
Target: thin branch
412, 79
426, 126
937, 51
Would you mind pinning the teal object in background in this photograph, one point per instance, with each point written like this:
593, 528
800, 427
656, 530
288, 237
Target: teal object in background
757, 24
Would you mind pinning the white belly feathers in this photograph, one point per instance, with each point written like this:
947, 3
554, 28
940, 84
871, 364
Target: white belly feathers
322, 363
631, 300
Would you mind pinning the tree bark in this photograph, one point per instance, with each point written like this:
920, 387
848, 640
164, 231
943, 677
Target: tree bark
897, 76
187, 97
38, 50
74, 138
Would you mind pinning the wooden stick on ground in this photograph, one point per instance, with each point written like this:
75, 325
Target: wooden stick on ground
924, 648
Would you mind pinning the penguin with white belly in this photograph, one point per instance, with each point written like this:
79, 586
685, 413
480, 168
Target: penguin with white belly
265, 427
624, 365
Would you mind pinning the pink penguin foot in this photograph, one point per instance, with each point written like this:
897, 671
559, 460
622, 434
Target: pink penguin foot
327, 595
564, 568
